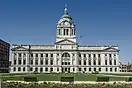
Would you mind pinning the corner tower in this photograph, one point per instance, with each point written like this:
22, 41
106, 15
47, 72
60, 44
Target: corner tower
66, 28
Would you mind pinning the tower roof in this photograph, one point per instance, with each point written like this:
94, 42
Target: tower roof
66, 15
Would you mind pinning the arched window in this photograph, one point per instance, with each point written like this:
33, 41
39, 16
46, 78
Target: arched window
66, 55
67, 31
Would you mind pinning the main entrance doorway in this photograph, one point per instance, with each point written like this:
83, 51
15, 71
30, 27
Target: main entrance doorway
65, 62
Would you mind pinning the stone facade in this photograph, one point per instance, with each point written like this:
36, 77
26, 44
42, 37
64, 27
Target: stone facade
65, 55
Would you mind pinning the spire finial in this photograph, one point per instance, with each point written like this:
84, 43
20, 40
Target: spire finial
65, 10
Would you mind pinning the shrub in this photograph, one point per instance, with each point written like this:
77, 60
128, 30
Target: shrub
67, 79
129, 79
102, 79
30, 79
95, 72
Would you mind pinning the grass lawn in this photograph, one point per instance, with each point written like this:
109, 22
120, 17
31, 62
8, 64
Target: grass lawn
56, 76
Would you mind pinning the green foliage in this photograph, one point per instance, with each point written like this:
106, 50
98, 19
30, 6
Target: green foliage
102, 79
67, 79
129, 79
30, 79
95, 72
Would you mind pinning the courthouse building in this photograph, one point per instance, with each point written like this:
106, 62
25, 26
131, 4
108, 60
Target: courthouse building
65, 55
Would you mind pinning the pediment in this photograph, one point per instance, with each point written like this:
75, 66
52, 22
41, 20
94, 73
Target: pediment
19, 48
111, 49
65, 42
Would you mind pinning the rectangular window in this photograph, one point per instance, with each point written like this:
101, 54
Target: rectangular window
94, 69
84, 62
31, 55
114, 62
99, 62
31, 69
84, 55
89, 55
85, 69
23, 68
41, 55
24, 62
73, 69
89, 69
105, 62
36, 69
36, 55
46, 69
80, 55
79, 62
57, 69
19, 55
99, 55
51, 55
19, 62
110, 62
51, 69
14, 62
99, 69
109, 55
89, 62
46, 55
31, 62
14, 69
51, 62
36, 62
19, 69
79, 69
41, 69
46, 62
94, 62
41, 62
106, 69
94, 55
111, 69
115, 69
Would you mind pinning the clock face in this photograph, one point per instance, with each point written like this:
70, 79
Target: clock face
67, 24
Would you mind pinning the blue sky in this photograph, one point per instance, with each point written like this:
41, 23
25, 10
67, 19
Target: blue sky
100, 22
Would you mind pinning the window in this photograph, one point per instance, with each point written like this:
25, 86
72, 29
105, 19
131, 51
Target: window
59, 31
109, 55
14, 62
94, 55
19, 69
31, 69
84, 62
31, 55
111, 69
106, 69
79, 69
94, 69
51, 55
36, 55
79, 62
110, 62
14, 69
31, 62
36, 69
105, 54
51, 69
89, 55
23, 68
19, 62
68, 63
46, 62
41, 62
46, 69
36, 62
94, 62
19, 54
41, 69
24, 62
89, 62
79, 55
51, 62
41, 55
84, 55
57, 69
89, 69
73, 69
99, 55
99, 62
67, 31
99, 69
85, 69
66, 55
46, 55
106, 62
115, 69
114, 61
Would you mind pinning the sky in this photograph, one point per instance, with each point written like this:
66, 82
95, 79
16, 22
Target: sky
99, 22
